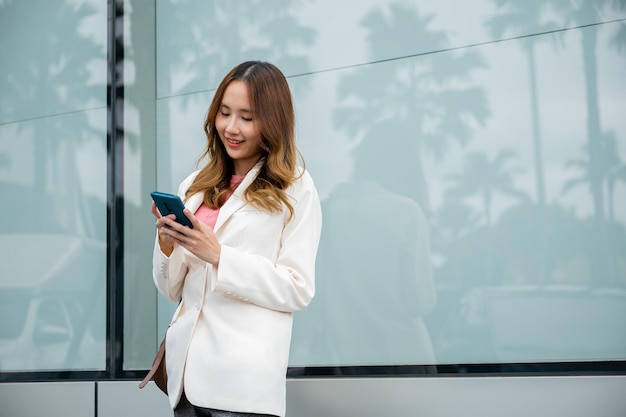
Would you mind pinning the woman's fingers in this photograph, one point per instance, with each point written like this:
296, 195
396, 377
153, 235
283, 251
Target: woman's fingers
155, 210
193, 219
200, 240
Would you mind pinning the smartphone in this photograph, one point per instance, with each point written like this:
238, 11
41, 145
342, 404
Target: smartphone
171, 204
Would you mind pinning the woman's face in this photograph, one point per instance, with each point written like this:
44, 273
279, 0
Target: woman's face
238, 130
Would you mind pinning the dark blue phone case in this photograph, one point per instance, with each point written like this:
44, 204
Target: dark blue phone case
171, 204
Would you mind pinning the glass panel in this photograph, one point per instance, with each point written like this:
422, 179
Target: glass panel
139, 123
471, 174
53, 178
491, 146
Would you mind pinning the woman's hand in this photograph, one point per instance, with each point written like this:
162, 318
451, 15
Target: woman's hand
166, 243
200, 240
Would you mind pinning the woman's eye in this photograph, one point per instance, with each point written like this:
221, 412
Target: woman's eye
225, 114
247, 119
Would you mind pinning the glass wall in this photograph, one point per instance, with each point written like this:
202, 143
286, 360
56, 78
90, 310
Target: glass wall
53, 173
494, 137
472, 162
470, 158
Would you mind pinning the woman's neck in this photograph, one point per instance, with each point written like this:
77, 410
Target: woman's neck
243, 168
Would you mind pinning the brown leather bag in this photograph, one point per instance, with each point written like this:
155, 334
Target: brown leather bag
158, 372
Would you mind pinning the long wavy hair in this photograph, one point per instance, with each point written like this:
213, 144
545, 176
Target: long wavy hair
273, 113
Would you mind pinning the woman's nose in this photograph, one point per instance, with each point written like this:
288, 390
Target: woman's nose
231, 127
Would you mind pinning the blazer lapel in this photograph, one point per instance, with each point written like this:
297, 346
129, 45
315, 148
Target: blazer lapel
236, 201
193, 202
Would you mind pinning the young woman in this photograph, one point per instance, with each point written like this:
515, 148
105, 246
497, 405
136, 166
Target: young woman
248, 262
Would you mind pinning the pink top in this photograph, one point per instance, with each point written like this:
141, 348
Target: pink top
208, 215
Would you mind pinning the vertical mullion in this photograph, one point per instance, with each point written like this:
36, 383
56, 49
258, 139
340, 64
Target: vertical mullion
115, 225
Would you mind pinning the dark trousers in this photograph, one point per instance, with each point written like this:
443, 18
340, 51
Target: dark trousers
186, 409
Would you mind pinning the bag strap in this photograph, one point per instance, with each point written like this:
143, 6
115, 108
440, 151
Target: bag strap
155, 364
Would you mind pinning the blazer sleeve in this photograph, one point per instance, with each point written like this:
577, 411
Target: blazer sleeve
168, 272
288, 284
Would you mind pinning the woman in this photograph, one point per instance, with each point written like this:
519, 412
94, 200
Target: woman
248, 262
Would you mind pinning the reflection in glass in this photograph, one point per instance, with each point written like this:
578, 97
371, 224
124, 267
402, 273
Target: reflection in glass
53, 179
522, 143
374, 276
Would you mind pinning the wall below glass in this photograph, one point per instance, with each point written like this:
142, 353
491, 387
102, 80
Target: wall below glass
556, 396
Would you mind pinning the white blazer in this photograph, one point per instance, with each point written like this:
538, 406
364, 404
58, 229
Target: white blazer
228, 341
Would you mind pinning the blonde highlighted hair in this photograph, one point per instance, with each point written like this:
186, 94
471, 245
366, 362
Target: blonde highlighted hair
273, 112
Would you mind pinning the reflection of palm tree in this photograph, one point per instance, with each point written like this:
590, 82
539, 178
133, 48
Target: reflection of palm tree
208, 39
57, 79
618, 41
594, 130
430, 95
524, 18
605, 258
483, 177
613, 170
617, 174
237, 31
48, 92
583, 12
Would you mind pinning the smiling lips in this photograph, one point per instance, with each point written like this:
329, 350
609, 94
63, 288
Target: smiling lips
234, 143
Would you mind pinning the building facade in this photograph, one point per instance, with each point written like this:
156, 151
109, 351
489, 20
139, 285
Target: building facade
470, 158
